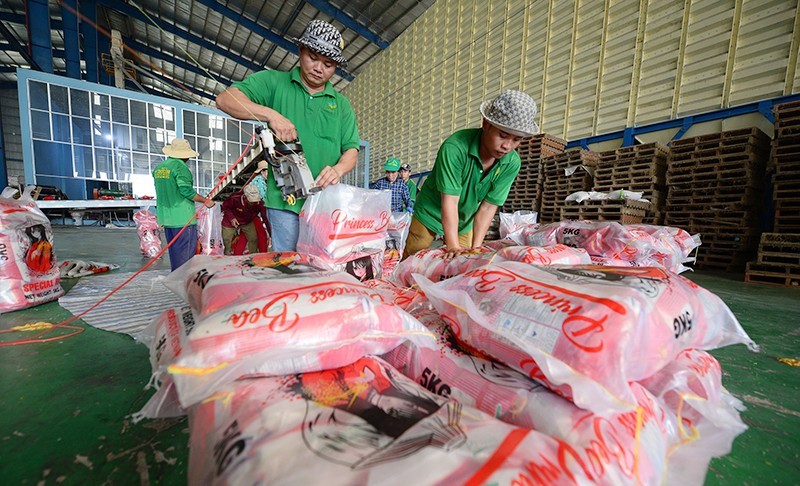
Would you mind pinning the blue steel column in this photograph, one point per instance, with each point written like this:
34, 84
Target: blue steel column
72, 47
89, 32
39, 34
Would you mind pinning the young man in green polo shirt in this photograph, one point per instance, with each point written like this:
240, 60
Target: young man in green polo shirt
175, 198
472, 175
405, 174
301, 104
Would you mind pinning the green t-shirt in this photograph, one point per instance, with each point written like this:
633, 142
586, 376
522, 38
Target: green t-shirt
458, 171
412, 189
325, 121
174, 193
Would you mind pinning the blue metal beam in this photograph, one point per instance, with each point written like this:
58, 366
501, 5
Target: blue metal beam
72, 45
764, 107
59, 53
135, 13
348, 21
258, 29
171, 82
149, 51
39, 34
89, 32
20, 19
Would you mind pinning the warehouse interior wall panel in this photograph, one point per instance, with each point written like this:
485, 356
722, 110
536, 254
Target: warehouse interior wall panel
12, 145
593, 67
762, 51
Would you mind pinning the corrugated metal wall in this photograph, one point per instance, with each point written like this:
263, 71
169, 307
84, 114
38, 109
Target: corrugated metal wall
593, 66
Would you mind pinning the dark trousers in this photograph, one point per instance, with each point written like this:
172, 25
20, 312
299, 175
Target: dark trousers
184, 247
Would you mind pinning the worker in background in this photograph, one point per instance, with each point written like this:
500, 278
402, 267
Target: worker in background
401, 199
303, 104
472, 175
240, 213
405, 174
175, 198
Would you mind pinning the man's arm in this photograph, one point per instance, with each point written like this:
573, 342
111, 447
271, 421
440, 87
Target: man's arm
235, 103
209, 203
450, 225
481, 223
332, 174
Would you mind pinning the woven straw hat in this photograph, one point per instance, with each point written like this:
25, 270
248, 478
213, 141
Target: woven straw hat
513, 112
251, 193
180, 149
262, 166
323, 38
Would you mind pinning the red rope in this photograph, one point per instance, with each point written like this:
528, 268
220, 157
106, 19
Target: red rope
35, 339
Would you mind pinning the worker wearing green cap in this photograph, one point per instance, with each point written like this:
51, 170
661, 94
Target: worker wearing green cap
401, 199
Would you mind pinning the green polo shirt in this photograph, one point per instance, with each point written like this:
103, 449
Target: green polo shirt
458, 171
412, 189
174, 193
325, 121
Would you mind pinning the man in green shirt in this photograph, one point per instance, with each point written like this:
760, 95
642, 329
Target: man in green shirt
301, 104
405, 173
175, 198
472, 175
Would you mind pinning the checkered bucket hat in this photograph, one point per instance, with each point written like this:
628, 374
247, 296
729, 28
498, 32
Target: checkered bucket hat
323, 38
513, 112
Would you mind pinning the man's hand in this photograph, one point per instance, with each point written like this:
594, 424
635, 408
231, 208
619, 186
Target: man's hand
209, 203
235, 222
454, 251
327, 176
283, 129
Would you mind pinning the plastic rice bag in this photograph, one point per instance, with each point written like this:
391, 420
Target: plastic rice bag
511, 223
276, 319
366, 424
399, 225
548, 255
391, 293
667, 247
343, 219
707, 415
28, 266
499, 244
431, 263
80, 268
149, 233
166, 337
614, 441
209, 229
365, 265
584, 331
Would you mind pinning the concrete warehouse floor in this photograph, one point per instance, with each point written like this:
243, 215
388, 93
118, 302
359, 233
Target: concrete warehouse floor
66, 403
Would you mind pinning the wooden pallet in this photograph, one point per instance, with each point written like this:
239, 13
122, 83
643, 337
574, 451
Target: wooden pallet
625, 211
772, 274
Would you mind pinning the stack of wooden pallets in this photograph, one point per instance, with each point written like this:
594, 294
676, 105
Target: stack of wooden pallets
564, 174
625, 211
786, 166
716, 188
638, 168
778, 260
526, 192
